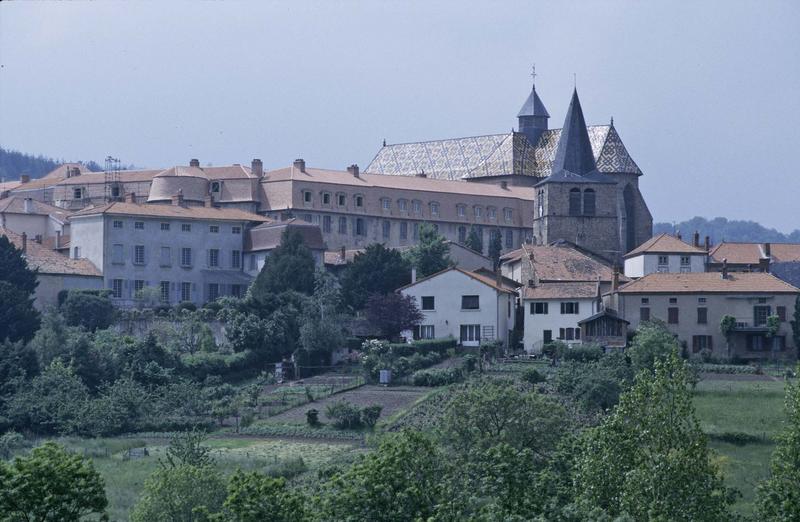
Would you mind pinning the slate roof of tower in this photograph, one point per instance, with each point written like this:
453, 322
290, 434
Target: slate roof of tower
533, 106
497, 154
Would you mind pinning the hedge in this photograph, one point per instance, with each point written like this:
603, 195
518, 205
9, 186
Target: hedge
201, 365
437, 377
727, 368
423, 347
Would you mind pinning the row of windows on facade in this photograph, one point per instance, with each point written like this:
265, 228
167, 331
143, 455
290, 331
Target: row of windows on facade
467, 332
760, 315
165, 227
139, 256
184, 290
468, 302
403, 205
543, 308
564, 334
581, 203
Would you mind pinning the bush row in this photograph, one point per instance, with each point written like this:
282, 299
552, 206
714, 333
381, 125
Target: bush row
727, 368
201, 365
423, 347
437, 377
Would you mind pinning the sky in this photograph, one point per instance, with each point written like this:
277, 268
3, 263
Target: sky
705, 95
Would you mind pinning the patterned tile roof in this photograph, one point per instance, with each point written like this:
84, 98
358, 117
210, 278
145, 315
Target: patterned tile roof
707, 283
665, 244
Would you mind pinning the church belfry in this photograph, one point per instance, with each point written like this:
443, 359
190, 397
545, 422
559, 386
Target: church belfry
533, 116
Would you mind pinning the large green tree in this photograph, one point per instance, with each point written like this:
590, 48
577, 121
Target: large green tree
431, 254
649, 460
91, 311
50, 484
377, 270
779, 495
14, 268
475, 239
184, 493
253, 497
322, 330
289, 267
652, 343
19, 320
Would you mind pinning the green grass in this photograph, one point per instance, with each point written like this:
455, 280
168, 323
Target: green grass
751, 408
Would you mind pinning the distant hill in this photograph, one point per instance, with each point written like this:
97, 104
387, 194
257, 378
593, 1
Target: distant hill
14, 163
720, 228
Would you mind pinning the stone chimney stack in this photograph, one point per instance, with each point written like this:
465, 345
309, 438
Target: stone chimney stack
300, 164
708, 244
725, 268
177, 199
257, 167
194, 162
353, 169
24, 242
28, 205
696, 241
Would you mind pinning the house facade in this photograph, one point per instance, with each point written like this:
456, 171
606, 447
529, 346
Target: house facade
666, 254
464, 305
553, 311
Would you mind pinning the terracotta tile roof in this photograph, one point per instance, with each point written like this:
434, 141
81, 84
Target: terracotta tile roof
49, 261
562, 262
16, 205
125, 176
708, 282
489, 281
751, 253
169, 210
565, 290
268, 235
665, 244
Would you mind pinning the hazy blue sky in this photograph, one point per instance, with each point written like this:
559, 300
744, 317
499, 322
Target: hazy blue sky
706, 95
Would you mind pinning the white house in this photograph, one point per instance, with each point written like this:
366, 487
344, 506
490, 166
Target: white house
666, 254
552, 312
465, 305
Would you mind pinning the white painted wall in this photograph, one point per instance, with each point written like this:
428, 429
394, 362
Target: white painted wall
643, 264
554, 320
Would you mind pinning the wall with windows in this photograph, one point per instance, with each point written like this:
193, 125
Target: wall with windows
648, 263
454, 303
559, 317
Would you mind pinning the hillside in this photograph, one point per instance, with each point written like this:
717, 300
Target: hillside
14, 163
720, 228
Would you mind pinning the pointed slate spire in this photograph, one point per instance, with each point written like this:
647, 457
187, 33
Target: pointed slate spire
533, 106
533, 117
574, 153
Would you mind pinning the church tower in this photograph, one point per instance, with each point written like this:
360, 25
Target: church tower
533, 117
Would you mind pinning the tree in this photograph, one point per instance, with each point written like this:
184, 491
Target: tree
652, 343
51, 484
495, 247
14, 268
19, 320
431, 254
727, 325
289, 267
18, 364
649, 459
184, 493
393, 313
93, 312
773, 327
475, 239
778, 497
321, 331
253, 497
378, 270
796, 326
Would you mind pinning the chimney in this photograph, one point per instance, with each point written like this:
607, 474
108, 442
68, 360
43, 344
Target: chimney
767, 250
300, 164
678, 235
24, 242
353, 169
696, 241
708, 243
130, 197
24, 178
28, 205
177, 199
257, 167
504, 185
194, 162
763, 265
57, 244
725, 268
413, 274
615, 279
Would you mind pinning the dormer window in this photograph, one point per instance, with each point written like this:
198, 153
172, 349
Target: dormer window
434, 209
215, 186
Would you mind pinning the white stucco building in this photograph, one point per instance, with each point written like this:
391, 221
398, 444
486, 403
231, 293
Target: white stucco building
552, 312
666, 254
467, 306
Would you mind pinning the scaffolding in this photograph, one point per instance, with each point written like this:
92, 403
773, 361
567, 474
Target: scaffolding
113, 190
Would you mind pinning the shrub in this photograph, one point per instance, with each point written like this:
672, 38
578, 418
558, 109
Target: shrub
312, 417
470, 362
185, 305
344, 415
437, 377
370, 414
533, 376
581, 353
726, 368
423, 346
93, 312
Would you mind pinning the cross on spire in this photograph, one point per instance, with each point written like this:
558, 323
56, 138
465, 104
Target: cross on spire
533, 72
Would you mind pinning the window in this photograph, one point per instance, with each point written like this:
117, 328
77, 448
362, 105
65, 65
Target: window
702, 315
138, 255
116, 288
461, 210
424, 331
138, 286
387, 229
491, 213
186, 256
569, 334
213, 257
236, 230
386, 203
117, 223
780, 311
402, 204
165, 227
470, 302
685, 261
416, 206
760, 314
569, 308
462, 234
672, 315
115, 191
326, 224
428, 302
213, 291
575, 202
663, 260
214, 229
306, 196
236, 259
644, 313
673, 300
164, 291
186, 227
166, 256
403, 230
117, 256
701, 300
236, 290
701, 342
756, 343
508, 215
343, 225
138, 225
470, 332
341, 200
588, 202
540, 308
434, 209
415, 230
359, 200
186, 291
645, 300
509, 239
478, 212
215, 186
77, 193
76, 252
308, 218
360, 230
326, 198
547, 336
